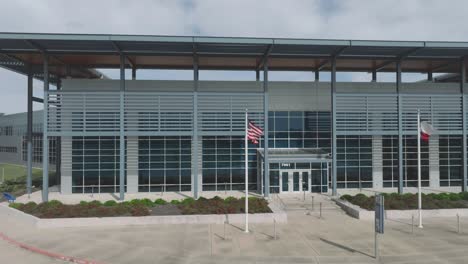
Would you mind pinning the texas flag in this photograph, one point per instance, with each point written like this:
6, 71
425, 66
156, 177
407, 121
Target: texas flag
426, 131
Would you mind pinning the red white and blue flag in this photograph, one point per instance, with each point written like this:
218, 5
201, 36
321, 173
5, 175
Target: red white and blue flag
254, 132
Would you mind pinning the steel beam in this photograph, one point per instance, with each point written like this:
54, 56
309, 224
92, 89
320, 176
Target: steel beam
122, 129
195, 142
266, 160
29, 131
333, 109
464, 123
397, 59
45, 138
264, 59
400, 128
37, 99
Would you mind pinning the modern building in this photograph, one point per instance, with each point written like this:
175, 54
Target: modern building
131, 135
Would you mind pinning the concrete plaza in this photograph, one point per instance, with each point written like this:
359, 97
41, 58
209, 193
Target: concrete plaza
306, 238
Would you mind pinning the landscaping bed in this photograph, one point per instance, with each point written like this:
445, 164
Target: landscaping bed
143, 207
409, 201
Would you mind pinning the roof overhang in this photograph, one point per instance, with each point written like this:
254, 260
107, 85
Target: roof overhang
286, 155
75, 54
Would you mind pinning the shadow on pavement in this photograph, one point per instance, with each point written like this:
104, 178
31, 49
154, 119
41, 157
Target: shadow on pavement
344, 247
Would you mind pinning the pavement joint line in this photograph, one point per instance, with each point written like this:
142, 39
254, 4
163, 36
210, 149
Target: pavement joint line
46, 253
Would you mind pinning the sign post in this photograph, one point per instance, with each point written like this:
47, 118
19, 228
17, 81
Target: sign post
379, 221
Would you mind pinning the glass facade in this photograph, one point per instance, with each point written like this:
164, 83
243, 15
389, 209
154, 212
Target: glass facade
354, 161
95, 164
223, 163
410, 162
297, 129
164, 164
390, 161
450, 160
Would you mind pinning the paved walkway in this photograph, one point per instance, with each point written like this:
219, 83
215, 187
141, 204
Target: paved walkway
306, 238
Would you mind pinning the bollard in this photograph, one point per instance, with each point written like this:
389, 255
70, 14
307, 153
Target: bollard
92, 191
211, 241
274, 228
320, 210
458, 223
412, 224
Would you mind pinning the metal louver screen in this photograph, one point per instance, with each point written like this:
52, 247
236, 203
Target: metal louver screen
226, 112
377, 114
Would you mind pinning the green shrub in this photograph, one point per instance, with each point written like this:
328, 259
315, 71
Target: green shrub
54, 203
464, 196
175, 202
454, 197
160, 201
94, 203
16, 205
83, 203
147, 202
230, 199
110, 203
346, 197
188, 201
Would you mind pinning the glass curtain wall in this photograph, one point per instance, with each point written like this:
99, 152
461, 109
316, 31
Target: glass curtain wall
450, 160
354, 162
223, 163
95, 164
164, 164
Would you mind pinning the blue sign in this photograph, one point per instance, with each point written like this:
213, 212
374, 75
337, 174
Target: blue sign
379, 213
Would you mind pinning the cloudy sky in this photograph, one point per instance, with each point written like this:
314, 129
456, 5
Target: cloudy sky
346, 19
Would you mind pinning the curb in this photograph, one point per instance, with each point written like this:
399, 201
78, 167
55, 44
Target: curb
46, 253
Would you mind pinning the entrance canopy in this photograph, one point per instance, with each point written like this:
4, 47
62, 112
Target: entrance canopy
291, 155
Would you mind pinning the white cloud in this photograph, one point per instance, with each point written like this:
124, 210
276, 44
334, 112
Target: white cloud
350, 19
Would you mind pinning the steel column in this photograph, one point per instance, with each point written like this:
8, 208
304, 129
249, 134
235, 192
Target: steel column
400, 128
257, 75
45, 138
333, 109
317, 75
374, 76
133, 73
266, 161
429, 76
29, 131
195, 127
464, 125
122, 130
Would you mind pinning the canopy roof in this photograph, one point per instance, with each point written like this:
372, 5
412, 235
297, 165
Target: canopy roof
296, 155
75, 54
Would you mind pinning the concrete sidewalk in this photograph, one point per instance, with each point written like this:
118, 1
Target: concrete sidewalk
334, 238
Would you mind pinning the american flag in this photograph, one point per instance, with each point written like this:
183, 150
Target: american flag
254, 132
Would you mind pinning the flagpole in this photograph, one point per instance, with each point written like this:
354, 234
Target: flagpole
419, 172
246, 144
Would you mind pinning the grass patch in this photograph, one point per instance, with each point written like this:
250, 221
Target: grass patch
409, 201
142, 207
15, 179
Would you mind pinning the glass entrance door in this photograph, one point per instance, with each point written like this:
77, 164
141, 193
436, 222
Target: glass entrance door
284, 181
294, 181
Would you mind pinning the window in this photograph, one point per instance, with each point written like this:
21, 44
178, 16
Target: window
450, 160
